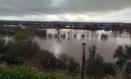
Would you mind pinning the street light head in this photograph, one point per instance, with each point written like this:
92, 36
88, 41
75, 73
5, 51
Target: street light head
83, 43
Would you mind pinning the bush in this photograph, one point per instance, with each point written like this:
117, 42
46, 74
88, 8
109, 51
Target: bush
46, 60
6, 73
19, 51
68, 64
109, 69
23, 72
29, 72
3, 47
96, 66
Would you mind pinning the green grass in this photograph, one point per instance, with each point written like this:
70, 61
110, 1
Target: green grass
29, 72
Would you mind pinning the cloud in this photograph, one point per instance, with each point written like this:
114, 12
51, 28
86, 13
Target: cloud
56, 3
117, 16
24, 7
64, 9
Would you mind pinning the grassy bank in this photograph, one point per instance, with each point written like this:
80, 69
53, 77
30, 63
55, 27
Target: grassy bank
29, 72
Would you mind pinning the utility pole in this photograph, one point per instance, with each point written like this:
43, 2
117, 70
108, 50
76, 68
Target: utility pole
83, 61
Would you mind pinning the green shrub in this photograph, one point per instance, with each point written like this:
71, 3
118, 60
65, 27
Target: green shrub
6, 73
29, 72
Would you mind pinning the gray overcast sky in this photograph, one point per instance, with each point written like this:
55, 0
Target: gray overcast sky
66, 10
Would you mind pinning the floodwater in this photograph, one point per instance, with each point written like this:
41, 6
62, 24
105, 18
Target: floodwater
69, 41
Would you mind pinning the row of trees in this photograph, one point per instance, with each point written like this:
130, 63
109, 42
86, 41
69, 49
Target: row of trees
97, 67
123, 60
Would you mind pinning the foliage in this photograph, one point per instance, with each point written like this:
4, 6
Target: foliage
46, 59
3, 47
23, 49
120, 56
20, 37
109, 68
20, 50
109, 77
123, 56
29, 72
68, 64
96, 66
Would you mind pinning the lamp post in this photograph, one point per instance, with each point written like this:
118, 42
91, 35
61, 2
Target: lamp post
83, 60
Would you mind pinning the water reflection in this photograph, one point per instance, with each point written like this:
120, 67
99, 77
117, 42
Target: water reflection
104, 37
82, 36
69, 41
6, 38
75, 36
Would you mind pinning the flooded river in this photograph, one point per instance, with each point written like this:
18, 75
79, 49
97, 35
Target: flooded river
70, 41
